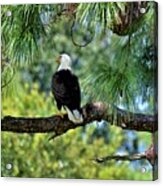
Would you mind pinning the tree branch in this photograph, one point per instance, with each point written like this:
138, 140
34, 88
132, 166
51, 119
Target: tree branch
91, 112
139, 156
150, 154
72, 35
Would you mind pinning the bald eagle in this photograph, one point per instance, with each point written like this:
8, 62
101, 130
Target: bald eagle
66, 89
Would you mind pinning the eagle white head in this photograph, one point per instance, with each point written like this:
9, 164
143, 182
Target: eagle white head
65, 62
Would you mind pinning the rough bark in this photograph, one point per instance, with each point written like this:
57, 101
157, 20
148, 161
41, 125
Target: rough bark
91, 112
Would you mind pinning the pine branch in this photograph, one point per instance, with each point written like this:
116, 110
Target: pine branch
150, 154
91, 112
72, 35
139, 156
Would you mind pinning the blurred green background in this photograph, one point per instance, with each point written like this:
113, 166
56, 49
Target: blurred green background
117, 65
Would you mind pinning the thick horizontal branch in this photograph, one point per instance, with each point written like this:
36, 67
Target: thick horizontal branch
91, 112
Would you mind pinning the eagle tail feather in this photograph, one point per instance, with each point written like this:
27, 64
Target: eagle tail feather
75, 116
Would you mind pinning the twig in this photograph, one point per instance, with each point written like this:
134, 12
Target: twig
72, 35
139, 156
10, 79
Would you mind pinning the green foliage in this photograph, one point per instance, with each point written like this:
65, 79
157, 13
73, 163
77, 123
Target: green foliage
32, 103
117, 66
121, 17
120, 68
68, 156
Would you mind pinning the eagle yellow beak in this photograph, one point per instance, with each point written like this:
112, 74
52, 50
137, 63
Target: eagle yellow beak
58, 60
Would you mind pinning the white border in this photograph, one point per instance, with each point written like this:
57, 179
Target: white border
63, 182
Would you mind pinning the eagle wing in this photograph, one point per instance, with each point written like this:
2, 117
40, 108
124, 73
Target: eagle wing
66, 90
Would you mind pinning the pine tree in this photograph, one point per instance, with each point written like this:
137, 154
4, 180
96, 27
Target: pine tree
114, 47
